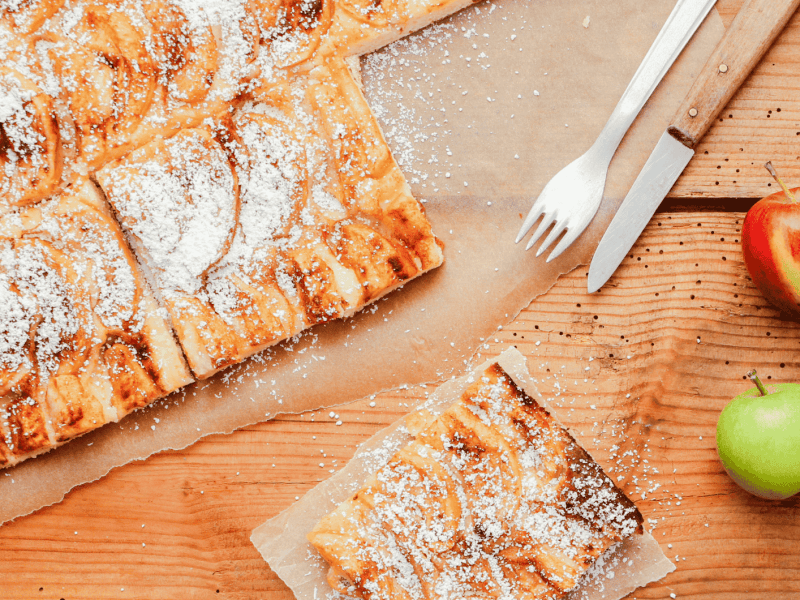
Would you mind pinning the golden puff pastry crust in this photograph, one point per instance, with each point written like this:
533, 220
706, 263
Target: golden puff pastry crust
493, 498
83, 341
256, 227
240, 171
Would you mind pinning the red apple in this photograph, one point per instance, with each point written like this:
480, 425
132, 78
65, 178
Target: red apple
771, 247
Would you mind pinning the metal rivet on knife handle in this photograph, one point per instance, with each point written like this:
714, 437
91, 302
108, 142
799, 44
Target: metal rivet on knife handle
692, 112
755, 27
723, 68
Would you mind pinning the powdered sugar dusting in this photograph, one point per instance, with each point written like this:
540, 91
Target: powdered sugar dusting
271, 179
45, 298
14, 327
457, 513
181, 205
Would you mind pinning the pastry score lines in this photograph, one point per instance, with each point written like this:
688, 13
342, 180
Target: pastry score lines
409, 543
242, 163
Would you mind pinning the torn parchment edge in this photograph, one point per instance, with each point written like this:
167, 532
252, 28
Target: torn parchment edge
282, 542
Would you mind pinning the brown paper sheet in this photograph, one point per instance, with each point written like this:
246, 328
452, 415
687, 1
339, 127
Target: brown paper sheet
283, 544
425, 331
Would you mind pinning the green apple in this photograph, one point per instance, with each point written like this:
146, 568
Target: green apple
758, 439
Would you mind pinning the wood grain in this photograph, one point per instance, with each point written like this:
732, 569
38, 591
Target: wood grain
676, 328
748, 37
760, 123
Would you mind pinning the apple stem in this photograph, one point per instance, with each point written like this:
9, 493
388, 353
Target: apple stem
752, 375
774, 174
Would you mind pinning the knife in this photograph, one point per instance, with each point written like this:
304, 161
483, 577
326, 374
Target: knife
747, 39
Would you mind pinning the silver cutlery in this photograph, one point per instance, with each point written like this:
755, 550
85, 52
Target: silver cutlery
570, 200
752, 32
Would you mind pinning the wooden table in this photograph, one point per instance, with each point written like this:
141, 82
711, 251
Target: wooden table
677, 328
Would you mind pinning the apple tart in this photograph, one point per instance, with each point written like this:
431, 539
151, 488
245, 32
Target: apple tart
493, 498
256, 226
82, 340
185, 178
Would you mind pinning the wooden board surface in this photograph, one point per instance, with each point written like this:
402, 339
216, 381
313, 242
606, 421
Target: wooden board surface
760, 123
676, 329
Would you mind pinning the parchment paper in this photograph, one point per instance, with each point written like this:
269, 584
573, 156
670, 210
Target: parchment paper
425, 331
283, 544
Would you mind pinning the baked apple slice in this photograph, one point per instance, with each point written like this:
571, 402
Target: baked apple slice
178, 199
31, 158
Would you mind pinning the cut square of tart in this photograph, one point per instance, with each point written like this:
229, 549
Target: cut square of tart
493, 498
287, 213
82, 340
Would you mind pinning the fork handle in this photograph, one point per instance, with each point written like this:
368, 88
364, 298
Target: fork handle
681, 25
752, 32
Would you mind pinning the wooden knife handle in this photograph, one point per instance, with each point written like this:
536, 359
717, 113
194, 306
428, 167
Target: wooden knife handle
747, 39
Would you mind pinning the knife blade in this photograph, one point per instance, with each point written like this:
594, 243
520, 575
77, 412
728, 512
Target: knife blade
658, 175
752, 32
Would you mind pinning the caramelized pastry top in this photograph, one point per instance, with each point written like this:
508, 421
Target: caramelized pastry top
82, 342
249, 185
492, 499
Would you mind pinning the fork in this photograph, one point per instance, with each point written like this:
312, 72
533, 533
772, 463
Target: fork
570, 199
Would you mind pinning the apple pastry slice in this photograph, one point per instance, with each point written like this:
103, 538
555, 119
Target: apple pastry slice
491, 499
99, 58
81, 339
371, 181
31, 157
254, 227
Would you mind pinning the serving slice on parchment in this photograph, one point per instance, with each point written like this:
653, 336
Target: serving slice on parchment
492, 498
479, 493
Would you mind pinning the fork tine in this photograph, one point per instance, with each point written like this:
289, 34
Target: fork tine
557, 230
572, 234
566, 241
536, 211
547, 221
